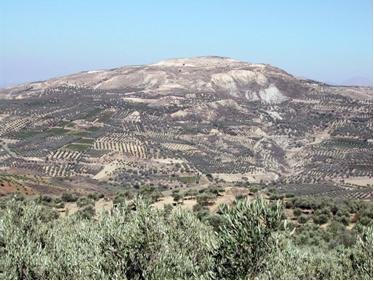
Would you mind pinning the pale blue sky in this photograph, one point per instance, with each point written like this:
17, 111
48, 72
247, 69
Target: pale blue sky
328, 40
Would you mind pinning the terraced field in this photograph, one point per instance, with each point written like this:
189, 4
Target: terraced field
303, 136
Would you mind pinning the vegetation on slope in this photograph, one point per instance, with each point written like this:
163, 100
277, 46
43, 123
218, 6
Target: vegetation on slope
137, 241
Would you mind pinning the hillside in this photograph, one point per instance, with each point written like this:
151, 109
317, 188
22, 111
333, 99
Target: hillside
183, 123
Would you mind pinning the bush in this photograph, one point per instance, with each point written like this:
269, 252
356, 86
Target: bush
150, 193
276, 196
320, 219
155, 196
288, 204
343, 218
297, 212
17, 196
359, 257
46, 198
205, 199
128, 195
87, 212
293, 262
177, 197
366, 221
191, 192
95, 196
214, 191
240, 197
138, 241
84, 201
246, 238
69, 197
253, 189
302, 219
168, 208
215, 220
325, 210
304, 203
119, 199
201, 211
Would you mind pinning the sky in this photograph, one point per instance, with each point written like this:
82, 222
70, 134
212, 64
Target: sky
325, 40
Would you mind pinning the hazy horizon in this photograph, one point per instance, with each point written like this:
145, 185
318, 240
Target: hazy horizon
328, 41
352, 81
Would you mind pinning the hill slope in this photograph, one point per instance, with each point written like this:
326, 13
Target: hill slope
220, 75
173, 122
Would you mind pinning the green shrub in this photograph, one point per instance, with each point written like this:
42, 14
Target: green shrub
214, 190
177, 197
294, 262
366, 221
137, 241
240, 197
343, 218
215, 220
291, 261
23, 229
150, 193
155, 196
46, 199
95, 196
191, 192
297, 212
201, 211
87, 212
168, 208
359, 257
69, 197
146, 244
325, 210
302, 219
288, 204
17, 196
320, 219
128, 195
246, 238
119, 199
84, 201
205, 199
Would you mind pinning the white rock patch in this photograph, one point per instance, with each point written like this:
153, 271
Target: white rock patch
275, 115
272, 95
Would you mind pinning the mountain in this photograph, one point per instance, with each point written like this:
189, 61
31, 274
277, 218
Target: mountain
182, 122
223, 76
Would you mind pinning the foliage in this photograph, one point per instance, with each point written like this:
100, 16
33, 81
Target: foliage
248, 240
69, 197
128, 244
84, 201
291, 261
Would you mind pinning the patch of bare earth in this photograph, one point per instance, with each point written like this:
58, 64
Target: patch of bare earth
361, 181
228, 197
8, 188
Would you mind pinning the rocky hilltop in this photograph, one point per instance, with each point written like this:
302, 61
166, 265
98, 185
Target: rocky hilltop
223, 76
184, 122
